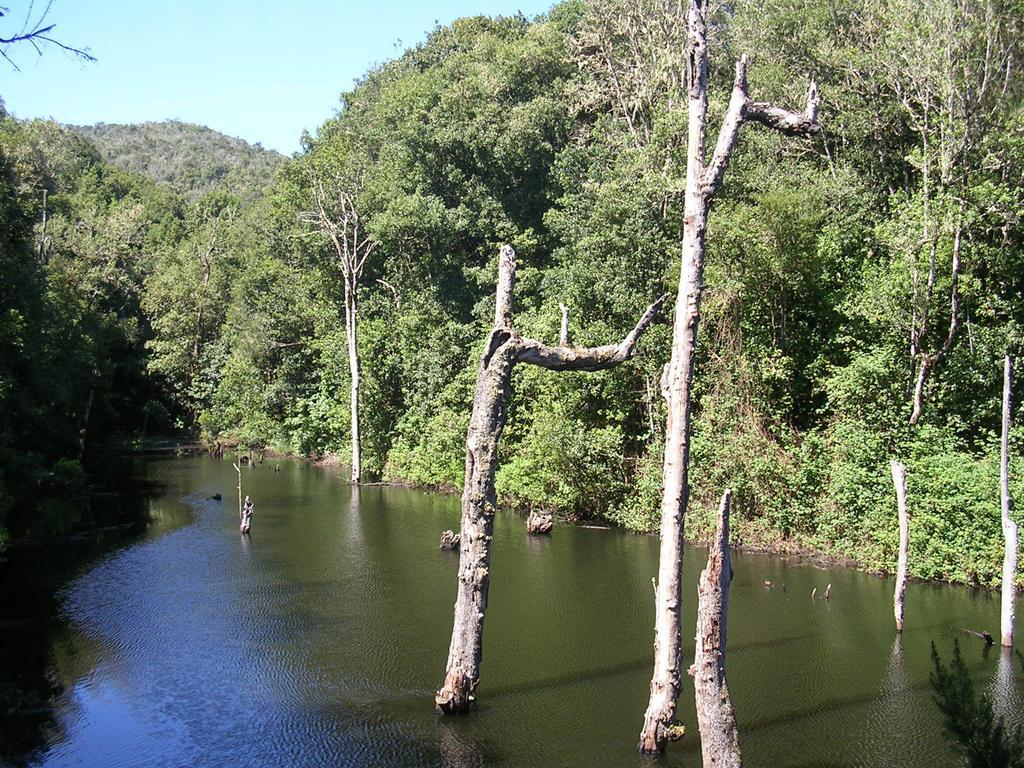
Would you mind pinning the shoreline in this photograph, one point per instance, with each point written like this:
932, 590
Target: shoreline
786, 549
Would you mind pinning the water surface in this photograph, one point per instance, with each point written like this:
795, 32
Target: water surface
319, 642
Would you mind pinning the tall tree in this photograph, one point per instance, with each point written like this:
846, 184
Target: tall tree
336, 216
703, 180
503, 349
1009, 526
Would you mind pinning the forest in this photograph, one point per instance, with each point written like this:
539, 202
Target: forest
862, 285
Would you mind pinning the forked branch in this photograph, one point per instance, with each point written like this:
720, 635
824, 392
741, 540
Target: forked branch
742, 110
566, 358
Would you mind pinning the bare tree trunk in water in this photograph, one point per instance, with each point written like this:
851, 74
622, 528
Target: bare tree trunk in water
719, 738
238, 469
351, 338
1009, 527
336, 216
702, 182
899, 479
503, 349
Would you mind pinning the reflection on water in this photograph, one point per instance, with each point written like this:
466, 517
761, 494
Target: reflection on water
319, 640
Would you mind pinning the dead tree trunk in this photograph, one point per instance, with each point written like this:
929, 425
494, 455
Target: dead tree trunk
238, 469
84, 426
503, 349
1009, 527
702, 182
336, 216
899, 479
351, 338
42, 233
929, 360
205, 258
539, 524
719, 738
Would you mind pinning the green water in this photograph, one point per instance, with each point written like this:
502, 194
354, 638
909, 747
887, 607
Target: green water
320, 641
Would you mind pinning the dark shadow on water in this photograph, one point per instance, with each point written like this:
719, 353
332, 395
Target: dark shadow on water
67, 537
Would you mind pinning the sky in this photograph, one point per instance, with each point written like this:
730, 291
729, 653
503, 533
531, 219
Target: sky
257, 70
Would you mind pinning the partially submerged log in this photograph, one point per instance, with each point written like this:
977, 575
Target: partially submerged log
719, 737
503, 349
899, 479
986, 636
449, 540
538, 524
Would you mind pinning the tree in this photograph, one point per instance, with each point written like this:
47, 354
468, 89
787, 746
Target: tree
899, 480
969, 717
1009, 526
703, 180
503, 349
335, 214
37, 34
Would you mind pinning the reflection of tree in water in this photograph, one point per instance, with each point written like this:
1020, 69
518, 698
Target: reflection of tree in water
456, 750
38, 658
1007, 690
27, 690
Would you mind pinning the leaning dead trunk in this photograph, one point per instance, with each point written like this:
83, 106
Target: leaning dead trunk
702, 182
1009, 527
719, 738
899, 479
504, 348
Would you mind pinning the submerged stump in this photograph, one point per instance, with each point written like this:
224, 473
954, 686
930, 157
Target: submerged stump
719, 737
539, 524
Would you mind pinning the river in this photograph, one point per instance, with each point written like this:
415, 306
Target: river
319, 642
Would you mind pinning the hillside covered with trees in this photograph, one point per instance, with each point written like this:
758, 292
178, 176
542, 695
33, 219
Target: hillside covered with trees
862, 286
192, 159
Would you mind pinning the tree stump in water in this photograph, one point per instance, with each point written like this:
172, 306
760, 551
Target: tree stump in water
539, 524
246, 517
449, 540
719, 738
899, 480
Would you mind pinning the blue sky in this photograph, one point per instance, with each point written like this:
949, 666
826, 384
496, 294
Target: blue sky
261, 71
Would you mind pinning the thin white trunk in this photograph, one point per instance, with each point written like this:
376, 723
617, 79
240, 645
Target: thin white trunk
666, 680
1009, 526
899, 479
701, 185
42, 232
352, 341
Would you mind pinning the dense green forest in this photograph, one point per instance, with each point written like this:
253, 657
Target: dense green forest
191, 158
214, 303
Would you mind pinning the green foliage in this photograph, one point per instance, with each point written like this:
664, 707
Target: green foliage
970, 718
202, 297
192, 159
